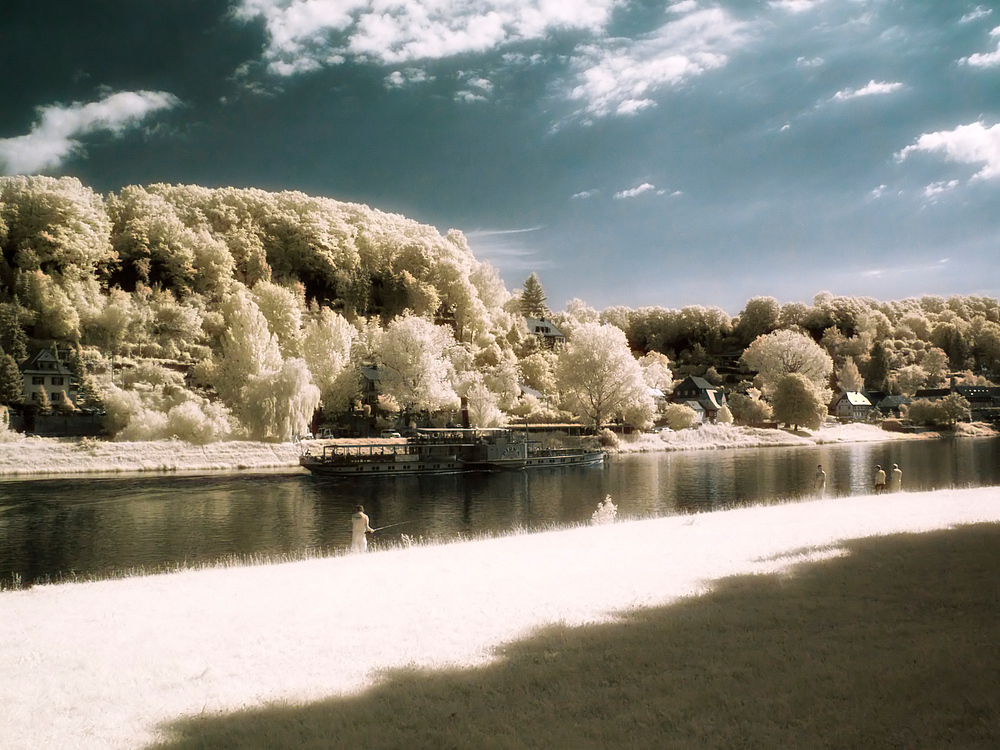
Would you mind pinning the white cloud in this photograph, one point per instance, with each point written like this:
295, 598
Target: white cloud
56, 135
976, 14
795, 6
398, 79
304, 34
877, 192
810, 62
966, 144
872, 88
632, 193
584, 195
936, 188
617, 77
987, 59
684, 6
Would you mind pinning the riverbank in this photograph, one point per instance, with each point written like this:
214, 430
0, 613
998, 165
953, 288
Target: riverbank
851, 621
34, 456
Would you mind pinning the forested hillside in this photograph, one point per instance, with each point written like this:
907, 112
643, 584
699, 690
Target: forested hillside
207, 313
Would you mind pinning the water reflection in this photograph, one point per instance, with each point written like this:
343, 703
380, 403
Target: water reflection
50, 527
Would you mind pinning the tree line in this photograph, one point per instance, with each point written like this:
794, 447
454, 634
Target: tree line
212, 313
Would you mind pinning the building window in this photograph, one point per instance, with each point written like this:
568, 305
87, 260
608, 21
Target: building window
56, 380
34, 395
56, 396
38, 380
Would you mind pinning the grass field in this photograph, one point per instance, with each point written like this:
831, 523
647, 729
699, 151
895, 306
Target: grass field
844, 623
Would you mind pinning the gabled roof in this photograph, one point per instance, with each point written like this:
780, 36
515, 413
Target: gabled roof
855, 398
542, 326
528, 391
45, 361
699, 383
892, 402
695, 405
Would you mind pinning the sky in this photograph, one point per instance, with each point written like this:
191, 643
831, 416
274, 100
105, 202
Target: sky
630, 152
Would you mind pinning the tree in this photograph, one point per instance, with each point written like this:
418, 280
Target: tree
748, 408
797, 401
935, 364
598, 375
943, 412
656, 371
759, 317
412, 365
781, 353
879, 364
849, 377
533, 298
909, 378
327, 343
12, 337
11, 381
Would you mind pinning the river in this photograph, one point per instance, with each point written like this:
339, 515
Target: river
54, 527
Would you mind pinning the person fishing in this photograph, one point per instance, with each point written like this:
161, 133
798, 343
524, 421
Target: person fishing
820, 480
360, 528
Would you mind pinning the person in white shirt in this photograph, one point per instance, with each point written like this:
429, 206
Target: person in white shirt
879, 480
820, 480
896, 482
359, 529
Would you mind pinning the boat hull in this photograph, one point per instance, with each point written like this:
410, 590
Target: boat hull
451, 465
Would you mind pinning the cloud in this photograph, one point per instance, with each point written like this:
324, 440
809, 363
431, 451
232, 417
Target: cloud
306, 34
872, 88
584, 195
877, 192
975, 14
56, 135
506, 250
937, 188
966, 144
985, 60
618, 77
643, 188
398, 79
795, 6
810, 62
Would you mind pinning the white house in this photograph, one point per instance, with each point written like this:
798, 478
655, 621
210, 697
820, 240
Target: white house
851, 405
46, 370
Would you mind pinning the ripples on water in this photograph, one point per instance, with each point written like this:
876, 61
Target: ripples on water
50, 527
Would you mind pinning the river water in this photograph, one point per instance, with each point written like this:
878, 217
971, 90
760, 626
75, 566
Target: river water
51, 528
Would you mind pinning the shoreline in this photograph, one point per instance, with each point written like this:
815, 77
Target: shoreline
37, 457
175, 657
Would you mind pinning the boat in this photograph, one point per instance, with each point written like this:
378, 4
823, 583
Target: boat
444, 451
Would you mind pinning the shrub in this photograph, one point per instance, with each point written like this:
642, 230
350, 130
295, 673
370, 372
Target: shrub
607, 438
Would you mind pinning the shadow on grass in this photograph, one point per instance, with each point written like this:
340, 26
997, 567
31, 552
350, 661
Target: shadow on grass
894, 645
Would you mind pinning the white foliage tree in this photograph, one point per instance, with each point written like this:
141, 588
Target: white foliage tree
656, 371
599, 378
782, 353
273, 399
849, 377
413, 365
327, 342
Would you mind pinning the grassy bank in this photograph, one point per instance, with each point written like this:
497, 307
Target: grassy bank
843, 622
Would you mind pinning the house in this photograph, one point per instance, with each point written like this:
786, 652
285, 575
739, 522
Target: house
891, 406
547, 333
851, 405
46, 371
709, 397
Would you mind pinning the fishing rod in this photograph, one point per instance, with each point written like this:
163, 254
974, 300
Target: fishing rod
389, 526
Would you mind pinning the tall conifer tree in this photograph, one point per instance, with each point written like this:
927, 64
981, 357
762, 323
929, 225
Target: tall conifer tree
533, 298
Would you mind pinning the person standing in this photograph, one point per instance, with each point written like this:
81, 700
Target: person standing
896, 482
879, 480
820, 480
359, 529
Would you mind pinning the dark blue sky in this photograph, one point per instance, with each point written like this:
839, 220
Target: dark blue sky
630, 152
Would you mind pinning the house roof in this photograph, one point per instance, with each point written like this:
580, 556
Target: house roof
699, 383
542, 326
45, 361
892, 402
528, 391
855, 398
695, 405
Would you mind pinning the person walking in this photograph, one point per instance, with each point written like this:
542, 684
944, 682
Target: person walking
896, 481
820, 480
879, 480
359, 529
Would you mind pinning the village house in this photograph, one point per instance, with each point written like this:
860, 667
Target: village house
694, 390
852, 405
46, 371
545, 331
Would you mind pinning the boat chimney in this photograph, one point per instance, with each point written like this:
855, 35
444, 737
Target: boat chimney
465, 413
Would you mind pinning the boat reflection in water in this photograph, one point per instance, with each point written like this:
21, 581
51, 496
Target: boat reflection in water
446, 451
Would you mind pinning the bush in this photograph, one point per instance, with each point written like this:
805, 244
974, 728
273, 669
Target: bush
607, 438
